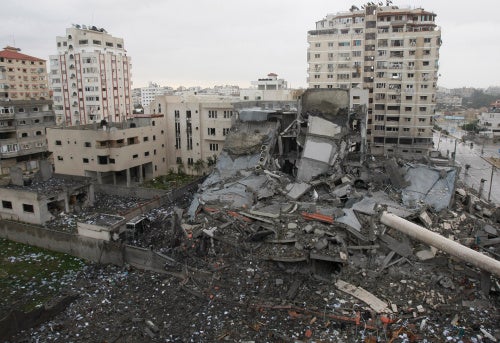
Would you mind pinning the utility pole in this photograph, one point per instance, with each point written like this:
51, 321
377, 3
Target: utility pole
455, 152
491, 181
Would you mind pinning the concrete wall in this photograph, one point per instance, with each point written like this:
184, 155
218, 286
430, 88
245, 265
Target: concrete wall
86, 248
138, 192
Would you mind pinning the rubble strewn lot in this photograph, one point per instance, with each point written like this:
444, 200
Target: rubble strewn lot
284, 242
30, 276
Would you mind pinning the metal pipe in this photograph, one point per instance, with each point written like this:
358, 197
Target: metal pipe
447, 245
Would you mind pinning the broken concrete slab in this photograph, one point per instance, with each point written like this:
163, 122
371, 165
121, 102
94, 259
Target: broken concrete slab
297, 189
368, 298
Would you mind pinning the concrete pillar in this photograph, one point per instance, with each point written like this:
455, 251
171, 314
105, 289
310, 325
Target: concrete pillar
447, 245
99, 178
91, 195
66, 202
141, 177
114, 178
128, 177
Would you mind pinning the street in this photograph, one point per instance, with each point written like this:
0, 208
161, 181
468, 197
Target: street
479, 168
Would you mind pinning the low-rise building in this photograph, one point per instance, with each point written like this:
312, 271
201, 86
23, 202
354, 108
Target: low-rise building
113, 153
39, 200
489, 122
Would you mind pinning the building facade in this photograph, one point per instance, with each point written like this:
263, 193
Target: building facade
123, 153
394, 53
25, 110
489, 122
149, 93
196, 127
90, 77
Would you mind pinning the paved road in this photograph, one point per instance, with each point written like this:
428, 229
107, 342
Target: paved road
479, 168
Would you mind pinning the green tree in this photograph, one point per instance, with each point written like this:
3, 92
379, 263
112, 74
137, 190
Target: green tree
199, 165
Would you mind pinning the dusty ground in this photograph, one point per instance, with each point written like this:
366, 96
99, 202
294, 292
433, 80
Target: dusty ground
221, 292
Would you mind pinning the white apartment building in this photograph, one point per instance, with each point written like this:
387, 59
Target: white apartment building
149, 93
489, 122
196, 128
90, 77
394, 53
118, 153
271, 82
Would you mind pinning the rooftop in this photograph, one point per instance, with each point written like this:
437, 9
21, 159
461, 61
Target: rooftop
13, 53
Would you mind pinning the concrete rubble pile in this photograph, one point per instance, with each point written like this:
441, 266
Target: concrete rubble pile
298, 236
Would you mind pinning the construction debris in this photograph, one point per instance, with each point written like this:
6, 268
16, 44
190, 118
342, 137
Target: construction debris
298, 236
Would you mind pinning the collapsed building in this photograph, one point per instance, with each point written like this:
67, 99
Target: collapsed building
299, 235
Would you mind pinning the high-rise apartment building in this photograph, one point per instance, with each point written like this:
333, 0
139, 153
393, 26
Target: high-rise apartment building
394, 53
25, 110
90, 77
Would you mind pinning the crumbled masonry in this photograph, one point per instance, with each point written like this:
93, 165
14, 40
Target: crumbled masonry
288, 240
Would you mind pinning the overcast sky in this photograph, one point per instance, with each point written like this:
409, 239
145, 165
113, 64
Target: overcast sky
217, 42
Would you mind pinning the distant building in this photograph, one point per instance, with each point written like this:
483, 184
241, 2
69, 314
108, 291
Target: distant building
149, 93
271, 82
90, 77
489, 122
112, 153
269, 88
393, 52
25, 110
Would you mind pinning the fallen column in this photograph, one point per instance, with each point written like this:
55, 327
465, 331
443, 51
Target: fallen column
447, 245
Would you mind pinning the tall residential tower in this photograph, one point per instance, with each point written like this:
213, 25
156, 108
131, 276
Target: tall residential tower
393, 52
90, 77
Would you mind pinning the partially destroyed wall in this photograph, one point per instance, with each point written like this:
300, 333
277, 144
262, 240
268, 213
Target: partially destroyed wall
138, 192
86, 248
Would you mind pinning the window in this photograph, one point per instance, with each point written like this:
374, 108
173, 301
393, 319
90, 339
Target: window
111, 161
228, 114
425, 63
176, 113
28, 208
60, 158
188, 114
317, 55
85, 160
225, 131
212, 114
421, 120
214, 147
87, 144
190, 161
38, 133
423, 97
427, 40
317, 45
178, 160
146, 153
7, 204
135, 156
145, 139
102, 159
24, 134
211, 131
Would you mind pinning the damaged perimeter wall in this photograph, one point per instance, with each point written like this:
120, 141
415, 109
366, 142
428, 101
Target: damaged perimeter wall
87, 248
